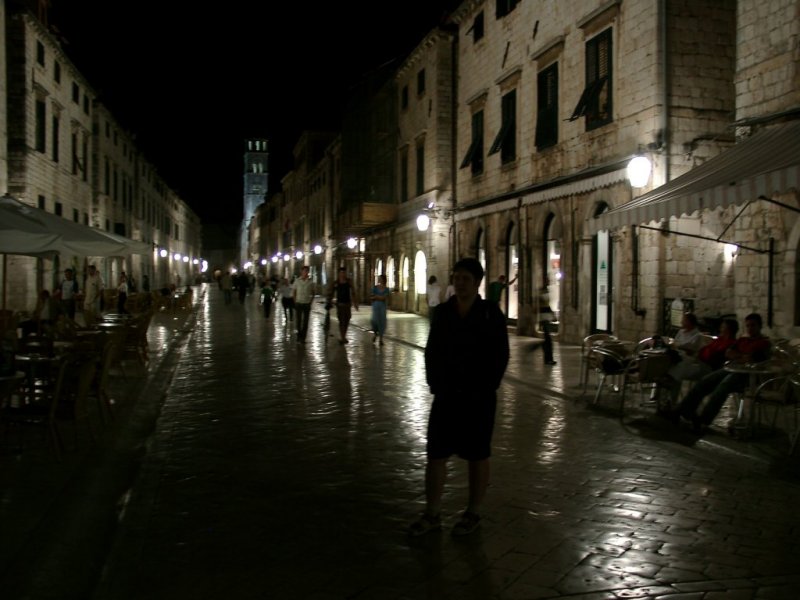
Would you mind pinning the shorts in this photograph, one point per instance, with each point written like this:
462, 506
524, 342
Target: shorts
462, 425
343, 313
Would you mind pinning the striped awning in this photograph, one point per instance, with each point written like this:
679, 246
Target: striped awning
762, 165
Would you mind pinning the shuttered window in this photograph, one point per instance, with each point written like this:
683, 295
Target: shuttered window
595, 101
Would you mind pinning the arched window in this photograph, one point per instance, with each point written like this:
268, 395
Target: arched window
404, 275
512, 270
391, 281
480, 246
378, 269
552, 273
601, 277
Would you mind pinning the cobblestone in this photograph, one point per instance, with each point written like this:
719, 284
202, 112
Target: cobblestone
246, 465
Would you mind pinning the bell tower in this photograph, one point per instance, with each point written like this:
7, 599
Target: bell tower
255, 185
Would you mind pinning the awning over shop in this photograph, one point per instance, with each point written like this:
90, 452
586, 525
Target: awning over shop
30, 231
754, 169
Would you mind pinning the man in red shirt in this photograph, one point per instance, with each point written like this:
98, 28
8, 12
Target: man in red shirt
753, 347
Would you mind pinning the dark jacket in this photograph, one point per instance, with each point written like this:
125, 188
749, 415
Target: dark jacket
469, 355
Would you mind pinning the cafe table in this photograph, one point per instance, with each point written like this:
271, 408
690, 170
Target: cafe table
37, 367
8, 385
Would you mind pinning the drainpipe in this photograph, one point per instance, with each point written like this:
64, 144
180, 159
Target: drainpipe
453, 149
664, 85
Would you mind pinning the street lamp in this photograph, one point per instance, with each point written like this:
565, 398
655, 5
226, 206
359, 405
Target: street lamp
638, 171
351, 243
423, 222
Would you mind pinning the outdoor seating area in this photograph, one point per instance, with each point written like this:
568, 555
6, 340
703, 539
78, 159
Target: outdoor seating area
637, 371
62, 376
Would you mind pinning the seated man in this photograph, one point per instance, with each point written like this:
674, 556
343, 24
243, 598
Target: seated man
753, 347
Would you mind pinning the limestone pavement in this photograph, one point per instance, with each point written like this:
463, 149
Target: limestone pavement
243, 464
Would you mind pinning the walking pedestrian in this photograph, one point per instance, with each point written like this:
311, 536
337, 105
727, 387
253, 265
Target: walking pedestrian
69, 289
287, 299
380, 296
344, 294
465, 359
302, 295
242, 284
122, 294
546, 318
434, 295
93, 290
266, 297
226, 283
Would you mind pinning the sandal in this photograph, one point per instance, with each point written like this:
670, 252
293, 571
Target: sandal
468, 523
425, 524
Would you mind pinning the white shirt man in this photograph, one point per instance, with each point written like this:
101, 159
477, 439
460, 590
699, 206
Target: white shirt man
92, 290
303, 294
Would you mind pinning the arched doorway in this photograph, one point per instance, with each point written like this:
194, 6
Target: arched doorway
404, 273
420, 278
512, 271
480, 247
378, 270
601, 277
552, 274
391, 279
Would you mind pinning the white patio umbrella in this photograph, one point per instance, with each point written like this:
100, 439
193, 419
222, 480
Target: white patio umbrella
30, 231
33, 232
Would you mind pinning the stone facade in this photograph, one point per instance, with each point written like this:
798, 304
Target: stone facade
69, 156
550, 106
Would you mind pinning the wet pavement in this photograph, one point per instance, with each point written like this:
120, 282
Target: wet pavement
242, 464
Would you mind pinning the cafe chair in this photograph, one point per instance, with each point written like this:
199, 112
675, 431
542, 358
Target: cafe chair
100, 386
587, 364
66, 403
609, 363
780, 396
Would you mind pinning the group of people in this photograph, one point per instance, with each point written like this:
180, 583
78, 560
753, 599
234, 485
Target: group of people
68, 296
297, 296
704, 365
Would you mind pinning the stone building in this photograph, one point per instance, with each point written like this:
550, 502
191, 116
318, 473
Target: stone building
721, 236
49, 125
561, 100
68, 155
517, 134
408, 252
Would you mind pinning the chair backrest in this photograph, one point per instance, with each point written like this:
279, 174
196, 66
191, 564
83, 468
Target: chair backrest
594, 339
75, 379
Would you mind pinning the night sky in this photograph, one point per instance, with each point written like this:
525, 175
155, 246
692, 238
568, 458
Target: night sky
193, 84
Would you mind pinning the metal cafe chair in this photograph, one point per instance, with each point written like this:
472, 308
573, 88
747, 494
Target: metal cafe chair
780, 394
589, 342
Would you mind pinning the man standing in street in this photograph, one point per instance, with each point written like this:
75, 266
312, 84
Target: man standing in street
93, 290
69, 289
302, 294
465, 359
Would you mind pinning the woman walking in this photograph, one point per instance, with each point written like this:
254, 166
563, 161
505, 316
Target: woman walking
380, 294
